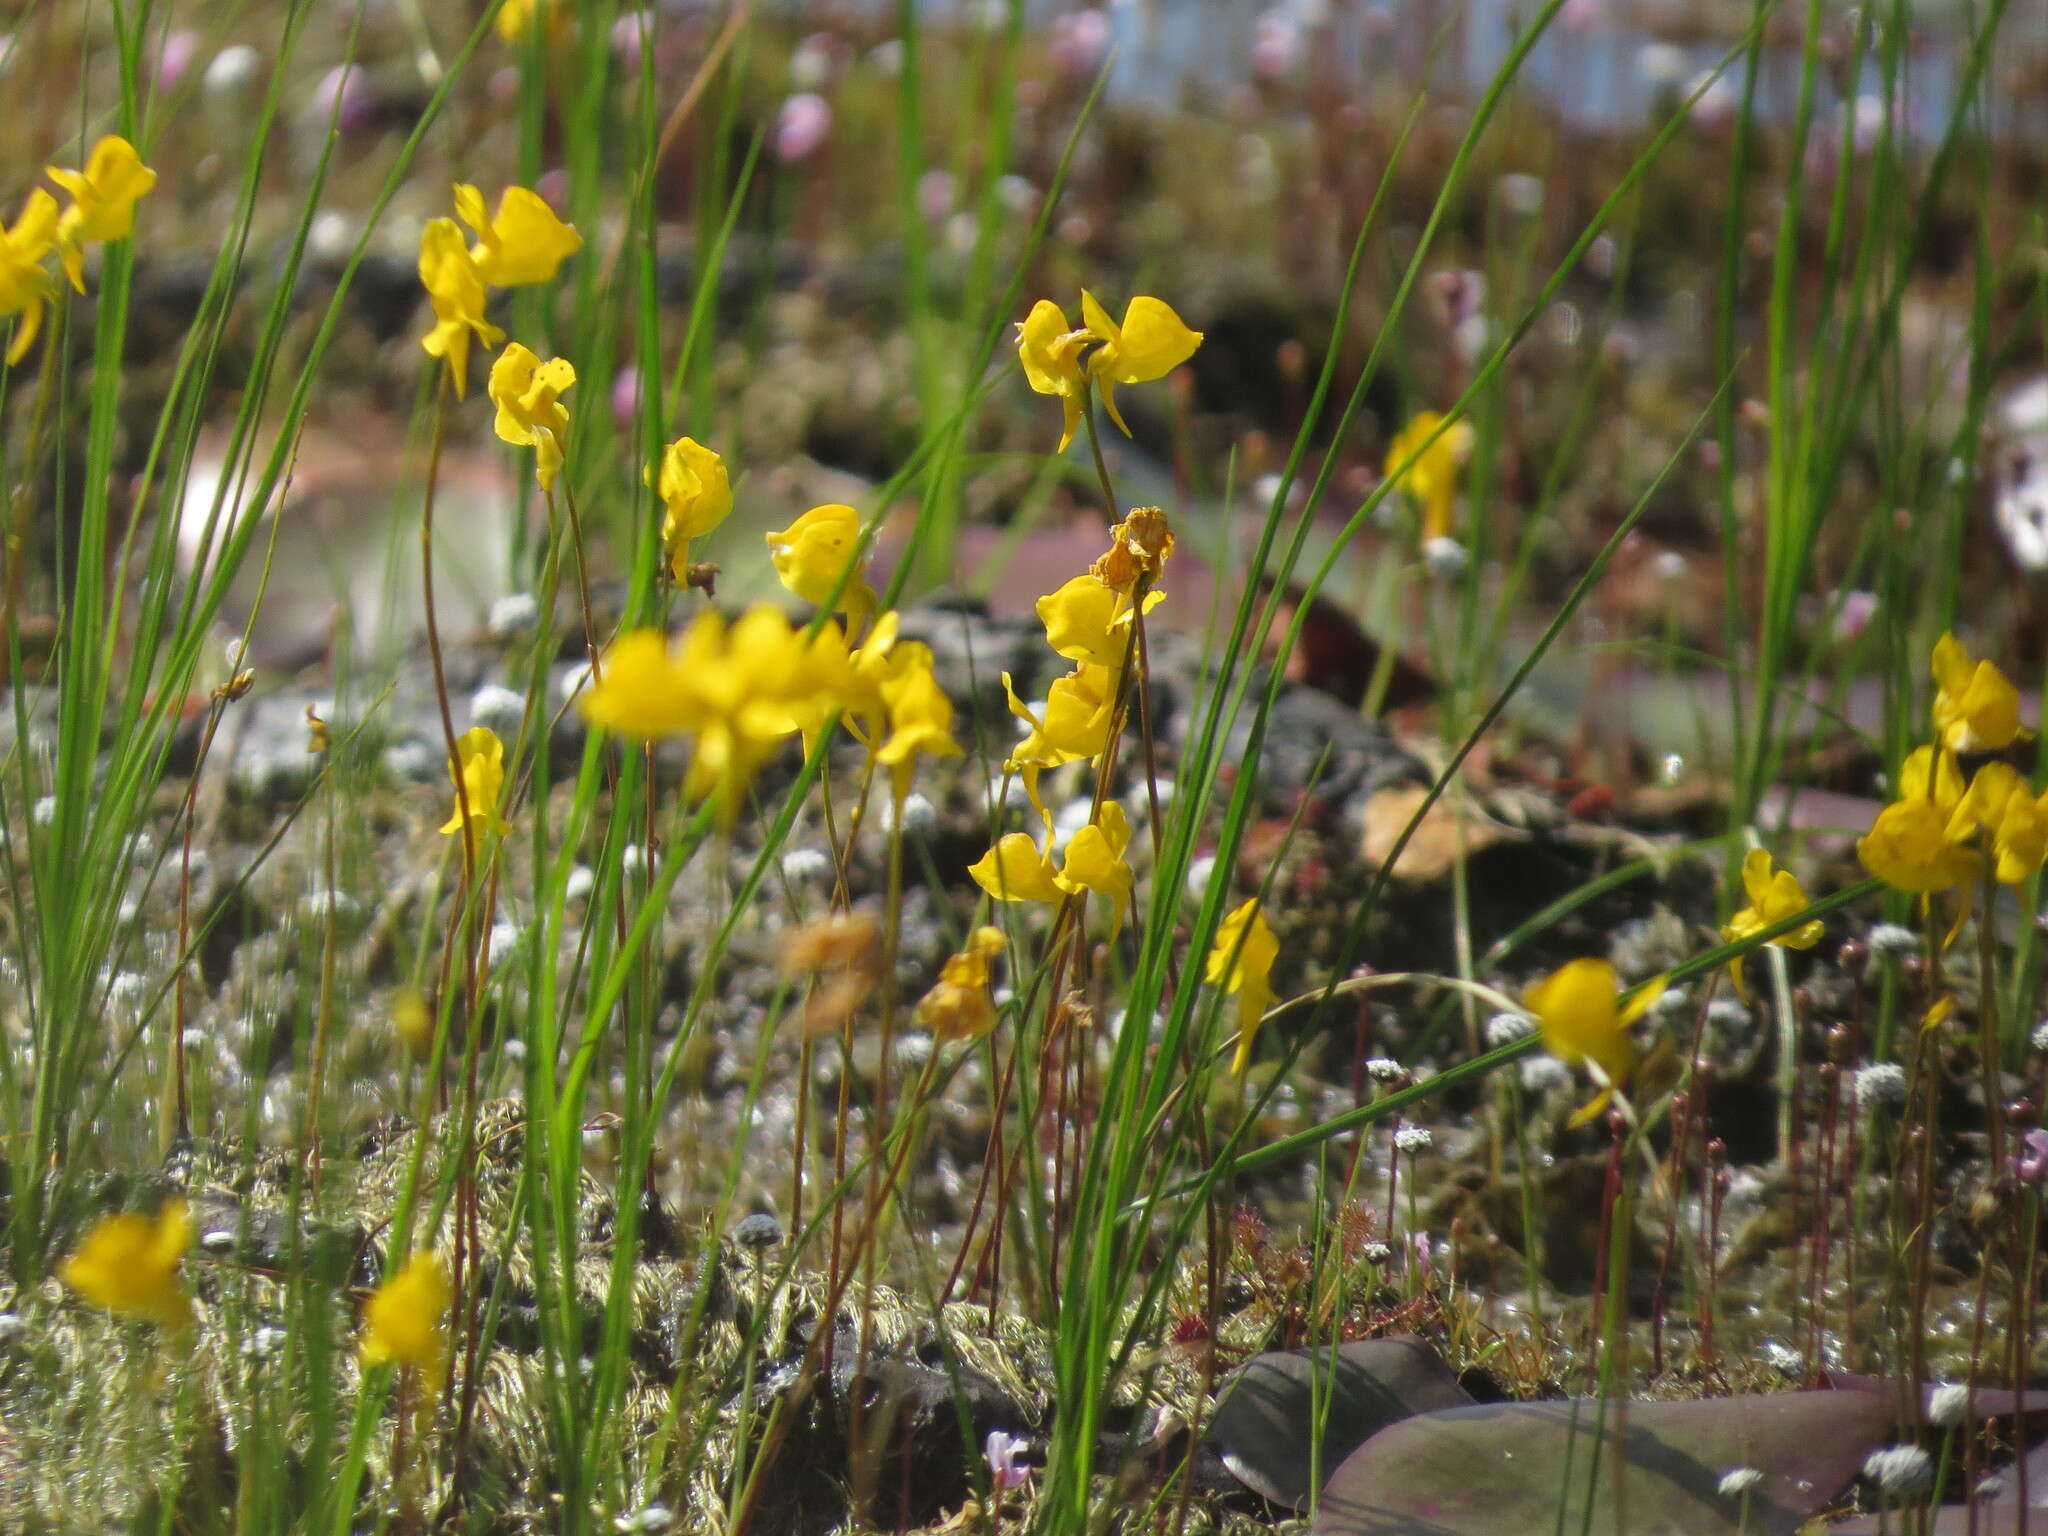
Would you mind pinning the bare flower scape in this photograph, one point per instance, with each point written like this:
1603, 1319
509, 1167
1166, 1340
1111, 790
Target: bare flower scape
1009, 770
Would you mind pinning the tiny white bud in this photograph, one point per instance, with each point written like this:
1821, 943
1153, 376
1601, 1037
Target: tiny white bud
1948, 1404
1412, 1139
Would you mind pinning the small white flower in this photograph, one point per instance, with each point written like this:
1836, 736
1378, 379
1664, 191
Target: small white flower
498, 708
1671, 1003
920, 816
233, 652
1892, 940
264, 1343
1882, 1086
1384, 1069
231, 70
1788, 1360
1948, 1404
513, 615
1445, 557
515, 1050
572, 681
581, 879
1200, 872
44, 811
2039, 1038
1376, 1253
1412, 1139
1900, 1471
504, 941
632, 860
1506, 1028
11, 1327
1729, 1015
806, 866
1735, 1484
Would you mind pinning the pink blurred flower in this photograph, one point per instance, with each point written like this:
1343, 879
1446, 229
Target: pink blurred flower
180, 49
1006, 1468
1080, 42
802, 126
626, 397
1276, 45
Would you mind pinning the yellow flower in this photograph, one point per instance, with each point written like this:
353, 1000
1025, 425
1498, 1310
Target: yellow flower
960, 1006
517, 18
1148, 344
920, 715
480, 768
128, 1265
530, 413
693, 486
2002, 803
457, 294
1241, 961
407, 1319
24, 285
1017, 869
1078, 711
736, 693
1576, 1006
103, 198
1976, 708
1432, 480
524, 242
1915, 845
1774, 895
1051, 354
1095, 859
812, 552
1087, 620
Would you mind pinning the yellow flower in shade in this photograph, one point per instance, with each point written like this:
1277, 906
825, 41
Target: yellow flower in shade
480, 769
527, 393
2003, 804
1915, 844
128, 1265
457, 294
811, 554
920, 716
518, 18
1089, 621
103, 198
1017, 869
524, 242
1149, 343
1095, 859
1241, 962
693, 487
1577, 1007
406, 1320
1051, 354
735, 692
960, 1006
1432, 480
1774, 895
1976, 708
24, 285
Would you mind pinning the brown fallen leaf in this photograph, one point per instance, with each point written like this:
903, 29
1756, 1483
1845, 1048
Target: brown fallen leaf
1451, 829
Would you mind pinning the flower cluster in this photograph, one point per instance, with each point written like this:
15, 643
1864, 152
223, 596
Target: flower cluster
522, 244
1943, 831
1065, 362
103, 198
736, 692
1091, 622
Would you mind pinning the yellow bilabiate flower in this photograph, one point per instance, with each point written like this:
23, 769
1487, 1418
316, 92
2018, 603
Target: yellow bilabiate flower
1976, 707
920, 716
1088, 620
103, 198
1149, 343
479, 768
694, 488
1017, 869
1050, 352
406, 1320
1914, 844
530, 413
960, 1006
644, 694
1432, 480
24, 285
522, 243
457, 294
128, 1265
1577, 1008
2003, 804
1095, 859
1774, 895
1241, 962
811, 554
